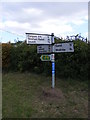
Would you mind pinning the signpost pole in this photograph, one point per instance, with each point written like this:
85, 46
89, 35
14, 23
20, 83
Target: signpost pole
53, 62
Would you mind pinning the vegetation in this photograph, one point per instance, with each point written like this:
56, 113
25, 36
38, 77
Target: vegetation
26, 82
27, 95
22, 57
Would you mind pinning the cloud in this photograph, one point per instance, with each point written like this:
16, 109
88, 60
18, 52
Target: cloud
55, 26
59, 18
32, 11
78, 18
26, 11
1, 25
47, 26
15, 24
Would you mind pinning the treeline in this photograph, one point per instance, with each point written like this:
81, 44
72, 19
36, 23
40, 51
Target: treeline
22, 57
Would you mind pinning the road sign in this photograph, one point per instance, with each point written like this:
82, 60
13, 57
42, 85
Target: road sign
64, 47
38, 39
44, 49
45, 57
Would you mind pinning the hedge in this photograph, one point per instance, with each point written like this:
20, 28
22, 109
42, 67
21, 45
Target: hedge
22, 57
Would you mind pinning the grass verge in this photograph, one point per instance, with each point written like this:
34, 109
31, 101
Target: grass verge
27, 95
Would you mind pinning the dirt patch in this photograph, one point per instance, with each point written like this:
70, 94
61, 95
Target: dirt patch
51, 94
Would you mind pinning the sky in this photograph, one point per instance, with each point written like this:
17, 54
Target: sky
60, 18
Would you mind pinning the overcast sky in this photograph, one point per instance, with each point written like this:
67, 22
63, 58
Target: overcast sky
60, 18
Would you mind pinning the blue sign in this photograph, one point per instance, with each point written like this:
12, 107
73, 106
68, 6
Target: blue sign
53, 66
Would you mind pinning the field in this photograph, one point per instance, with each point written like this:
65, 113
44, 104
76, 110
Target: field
28, 95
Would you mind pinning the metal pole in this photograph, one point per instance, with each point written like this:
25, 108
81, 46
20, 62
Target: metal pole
53, 62
53, 73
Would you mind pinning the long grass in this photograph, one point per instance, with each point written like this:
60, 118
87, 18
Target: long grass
25, 95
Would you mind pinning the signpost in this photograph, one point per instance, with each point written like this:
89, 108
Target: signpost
33, 38
44, 49
46, 44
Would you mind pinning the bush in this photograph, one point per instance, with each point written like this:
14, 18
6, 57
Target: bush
6, 47
23, 57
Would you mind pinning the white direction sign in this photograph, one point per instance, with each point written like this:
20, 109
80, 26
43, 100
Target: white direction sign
44, 49
64, 47
38, 39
